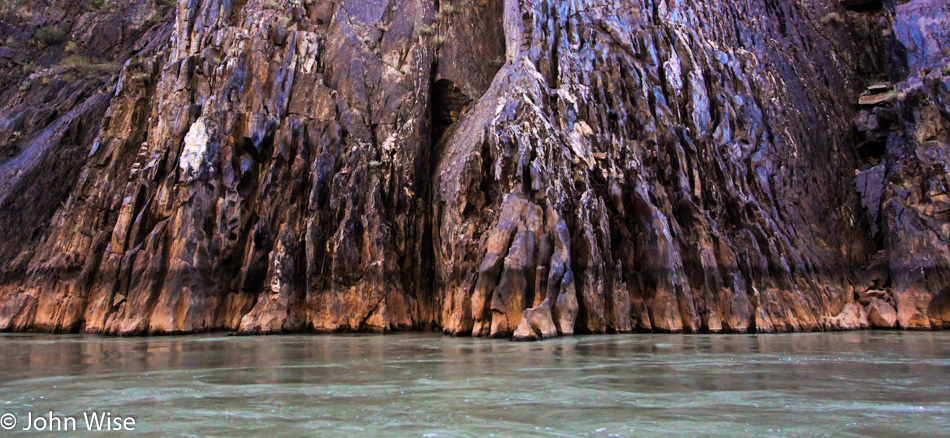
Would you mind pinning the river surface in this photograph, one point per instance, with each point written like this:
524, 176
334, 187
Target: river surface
429, 385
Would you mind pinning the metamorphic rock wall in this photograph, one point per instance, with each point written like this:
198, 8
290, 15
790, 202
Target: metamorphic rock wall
505, 168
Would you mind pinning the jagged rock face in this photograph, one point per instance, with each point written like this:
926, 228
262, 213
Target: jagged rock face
906, 181
496, 168
639, 166
260, 170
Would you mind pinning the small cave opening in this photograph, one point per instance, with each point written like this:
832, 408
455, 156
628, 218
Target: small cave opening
872, 149
863, 5
448, 103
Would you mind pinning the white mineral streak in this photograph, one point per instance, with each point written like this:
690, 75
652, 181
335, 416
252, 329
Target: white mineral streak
579, 142
275, 279
196, 146
674, 73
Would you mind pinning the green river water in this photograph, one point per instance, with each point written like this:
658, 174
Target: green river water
429, 385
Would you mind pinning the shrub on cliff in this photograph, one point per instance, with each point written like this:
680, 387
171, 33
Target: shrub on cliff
47, 36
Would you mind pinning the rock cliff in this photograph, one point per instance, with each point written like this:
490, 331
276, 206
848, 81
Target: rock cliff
504, 168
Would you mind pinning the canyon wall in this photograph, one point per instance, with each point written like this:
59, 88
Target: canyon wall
505, 168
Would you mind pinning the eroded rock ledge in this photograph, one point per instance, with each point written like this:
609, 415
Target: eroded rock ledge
505, 168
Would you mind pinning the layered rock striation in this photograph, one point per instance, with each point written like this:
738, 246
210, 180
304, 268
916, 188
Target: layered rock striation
904, 180
504, 168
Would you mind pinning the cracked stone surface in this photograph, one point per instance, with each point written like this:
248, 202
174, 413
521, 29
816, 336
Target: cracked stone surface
504, 168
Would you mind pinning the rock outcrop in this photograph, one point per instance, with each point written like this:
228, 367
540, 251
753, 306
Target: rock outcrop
904, 177
504, 168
